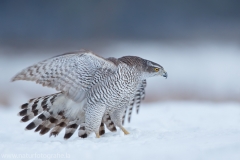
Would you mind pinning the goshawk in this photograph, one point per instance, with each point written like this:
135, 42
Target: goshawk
93, 91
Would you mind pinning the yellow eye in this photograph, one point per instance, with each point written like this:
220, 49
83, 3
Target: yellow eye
156, 69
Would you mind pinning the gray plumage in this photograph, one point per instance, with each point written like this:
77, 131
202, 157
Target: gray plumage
93, 91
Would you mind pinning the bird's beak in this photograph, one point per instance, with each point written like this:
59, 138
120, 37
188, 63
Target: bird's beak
165, 74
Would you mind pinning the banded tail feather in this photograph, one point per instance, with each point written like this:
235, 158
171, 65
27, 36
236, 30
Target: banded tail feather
38, 128
38, 121
50, 123
139, 96
138, 100
58, 128
102, 129
45, 119
131, 108
36, 106
48, 118
83, 134
71, 128
142, 95
109, 123
82, 131
124, 115
144, 84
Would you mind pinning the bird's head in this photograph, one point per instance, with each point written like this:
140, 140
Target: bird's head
148, 68
152, 69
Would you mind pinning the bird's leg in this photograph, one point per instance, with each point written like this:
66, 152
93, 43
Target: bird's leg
124, 130
93, 118
116, 117
97, 135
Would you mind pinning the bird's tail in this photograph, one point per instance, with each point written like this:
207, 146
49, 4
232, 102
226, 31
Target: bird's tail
50, 113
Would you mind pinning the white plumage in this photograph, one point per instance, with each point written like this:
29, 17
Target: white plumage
93, 91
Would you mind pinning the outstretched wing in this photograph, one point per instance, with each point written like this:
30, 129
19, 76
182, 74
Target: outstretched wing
139, 96
71, 73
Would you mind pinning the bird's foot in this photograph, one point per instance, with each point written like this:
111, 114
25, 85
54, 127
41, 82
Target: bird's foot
97, 135
125, 131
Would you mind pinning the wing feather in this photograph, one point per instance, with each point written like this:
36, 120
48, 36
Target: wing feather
71, 73
138, 97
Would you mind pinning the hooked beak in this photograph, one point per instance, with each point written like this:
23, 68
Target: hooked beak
165, 74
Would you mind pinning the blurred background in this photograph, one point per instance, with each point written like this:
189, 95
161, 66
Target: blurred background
197, 42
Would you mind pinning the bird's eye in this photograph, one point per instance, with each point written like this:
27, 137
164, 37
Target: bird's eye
156, 69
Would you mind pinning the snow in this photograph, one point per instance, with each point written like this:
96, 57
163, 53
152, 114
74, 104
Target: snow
164, 130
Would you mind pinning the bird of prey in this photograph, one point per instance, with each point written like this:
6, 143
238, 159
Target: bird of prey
93, 91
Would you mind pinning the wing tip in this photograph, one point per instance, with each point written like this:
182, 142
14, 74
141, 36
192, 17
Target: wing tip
15, 78
18, 77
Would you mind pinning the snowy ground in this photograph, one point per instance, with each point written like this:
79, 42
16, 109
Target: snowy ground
169, 130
